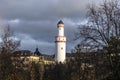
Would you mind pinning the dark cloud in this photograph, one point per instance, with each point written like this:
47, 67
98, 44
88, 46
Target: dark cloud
35, 21
43, 9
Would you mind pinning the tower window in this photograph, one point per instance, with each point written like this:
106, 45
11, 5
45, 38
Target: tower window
62, 48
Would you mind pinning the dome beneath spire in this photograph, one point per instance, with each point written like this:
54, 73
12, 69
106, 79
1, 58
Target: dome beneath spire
60, 22
37, 52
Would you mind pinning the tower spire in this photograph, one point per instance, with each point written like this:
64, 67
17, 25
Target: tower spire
60, 22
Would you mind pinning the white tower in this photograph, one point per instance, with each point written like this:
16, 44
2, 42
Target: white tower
60, 41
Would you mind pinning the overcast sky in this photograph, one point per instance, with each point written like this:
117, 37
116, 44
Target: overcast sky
35, 21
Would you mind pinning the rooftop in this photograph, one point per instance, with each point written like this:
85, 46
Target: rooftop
60, 22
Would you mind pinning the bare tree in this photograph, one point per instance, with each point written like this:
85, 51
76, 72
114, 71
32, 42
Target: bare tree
103, 24
9, 42
103, 30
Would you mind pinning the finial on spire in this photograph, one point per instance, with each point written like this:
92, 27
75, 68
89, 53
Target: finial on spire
60, 22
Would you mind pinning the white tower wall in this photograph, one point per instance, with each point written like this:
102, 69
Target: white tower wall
60, 54
61, 31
